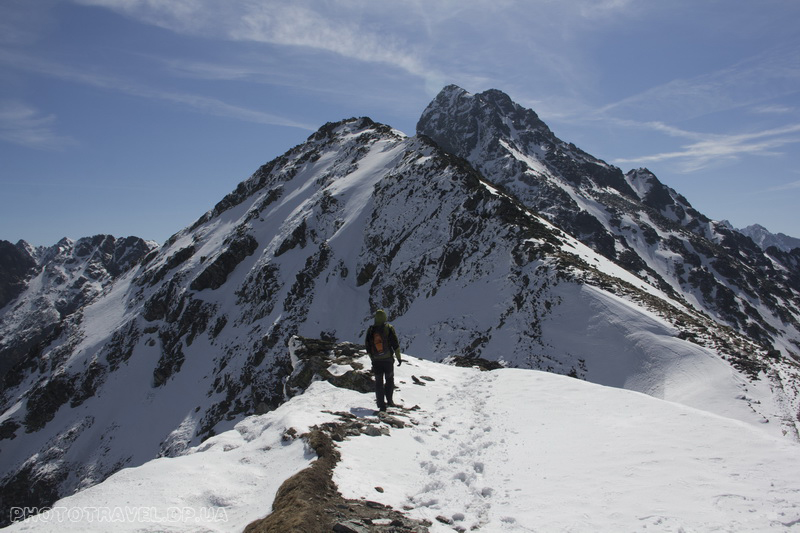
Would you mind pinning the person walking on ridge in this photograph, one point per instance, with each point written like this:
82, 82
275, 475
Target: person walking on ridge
383, 347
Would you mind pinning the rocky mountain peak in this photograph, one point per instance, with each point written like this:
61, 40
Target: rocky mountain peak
764, 238
632, 219
491, 131
665, 200
351, 126
461, 122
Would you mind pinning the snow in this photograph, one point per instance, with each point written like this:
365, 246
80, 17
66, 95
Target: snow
519, 450
534, 164
356, 188
503, 451
107, 314
640, 181
11, 411
506, 450
221, 485
627, 347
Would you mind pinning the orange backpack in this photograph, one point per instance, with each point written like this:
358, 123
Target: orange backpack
380, 344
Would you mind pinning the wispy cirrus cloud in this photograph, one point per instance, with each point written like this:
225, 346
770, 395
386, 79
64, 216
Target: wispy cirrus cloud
785, 187
773, 109
25, 125
203, 104
710, 148
475, 43
750, 86
208, 70
23, 23
337, 29
293, 25
420, 38
748, 83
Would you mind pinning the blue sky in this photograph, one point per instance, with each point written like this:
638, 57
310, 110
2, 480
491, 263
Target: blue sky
134, 117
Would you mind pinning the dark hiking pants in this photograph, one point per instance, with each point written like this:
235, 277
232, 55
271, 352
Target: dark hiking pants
384, 381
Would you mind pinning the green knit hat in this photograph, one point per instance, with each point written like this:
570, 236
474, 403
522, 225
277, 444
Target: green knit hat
380, 317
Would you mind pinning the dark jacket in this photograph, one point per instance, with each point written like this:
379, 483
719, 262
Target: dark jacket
389, 334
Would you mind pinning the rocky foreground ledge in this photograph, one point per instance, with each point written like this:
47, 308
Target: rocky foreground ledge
309, 500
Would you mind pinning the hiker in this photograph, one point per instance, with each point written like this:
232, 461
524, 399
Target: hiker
383, 347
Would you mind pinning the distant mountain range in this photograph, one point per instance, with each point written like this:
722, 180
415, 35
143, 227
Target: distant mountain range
45, 285
484, 235
765, 239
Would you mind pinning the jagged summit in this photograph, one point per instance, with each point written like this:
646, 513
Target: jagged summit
664, 200
461, 122
489, 126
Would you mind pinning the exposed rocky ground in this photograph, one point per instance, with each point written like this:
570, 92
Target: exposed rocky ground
309, 500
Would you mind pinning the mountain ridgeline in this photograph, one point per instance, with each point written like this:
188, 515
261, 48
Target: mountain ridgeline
482, 236
632, 219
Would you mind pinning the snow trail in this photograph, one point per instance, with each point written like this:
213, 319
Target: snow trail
459, 461
519, 450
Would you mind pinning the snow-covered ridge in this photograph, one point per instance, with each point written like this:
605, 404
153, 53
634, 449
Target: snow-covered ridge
504, 450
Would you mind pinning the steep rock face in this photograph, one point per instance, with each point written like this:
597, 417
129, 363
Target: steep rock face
194, 336
17, 263
663, 199
631, 219
57, 282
